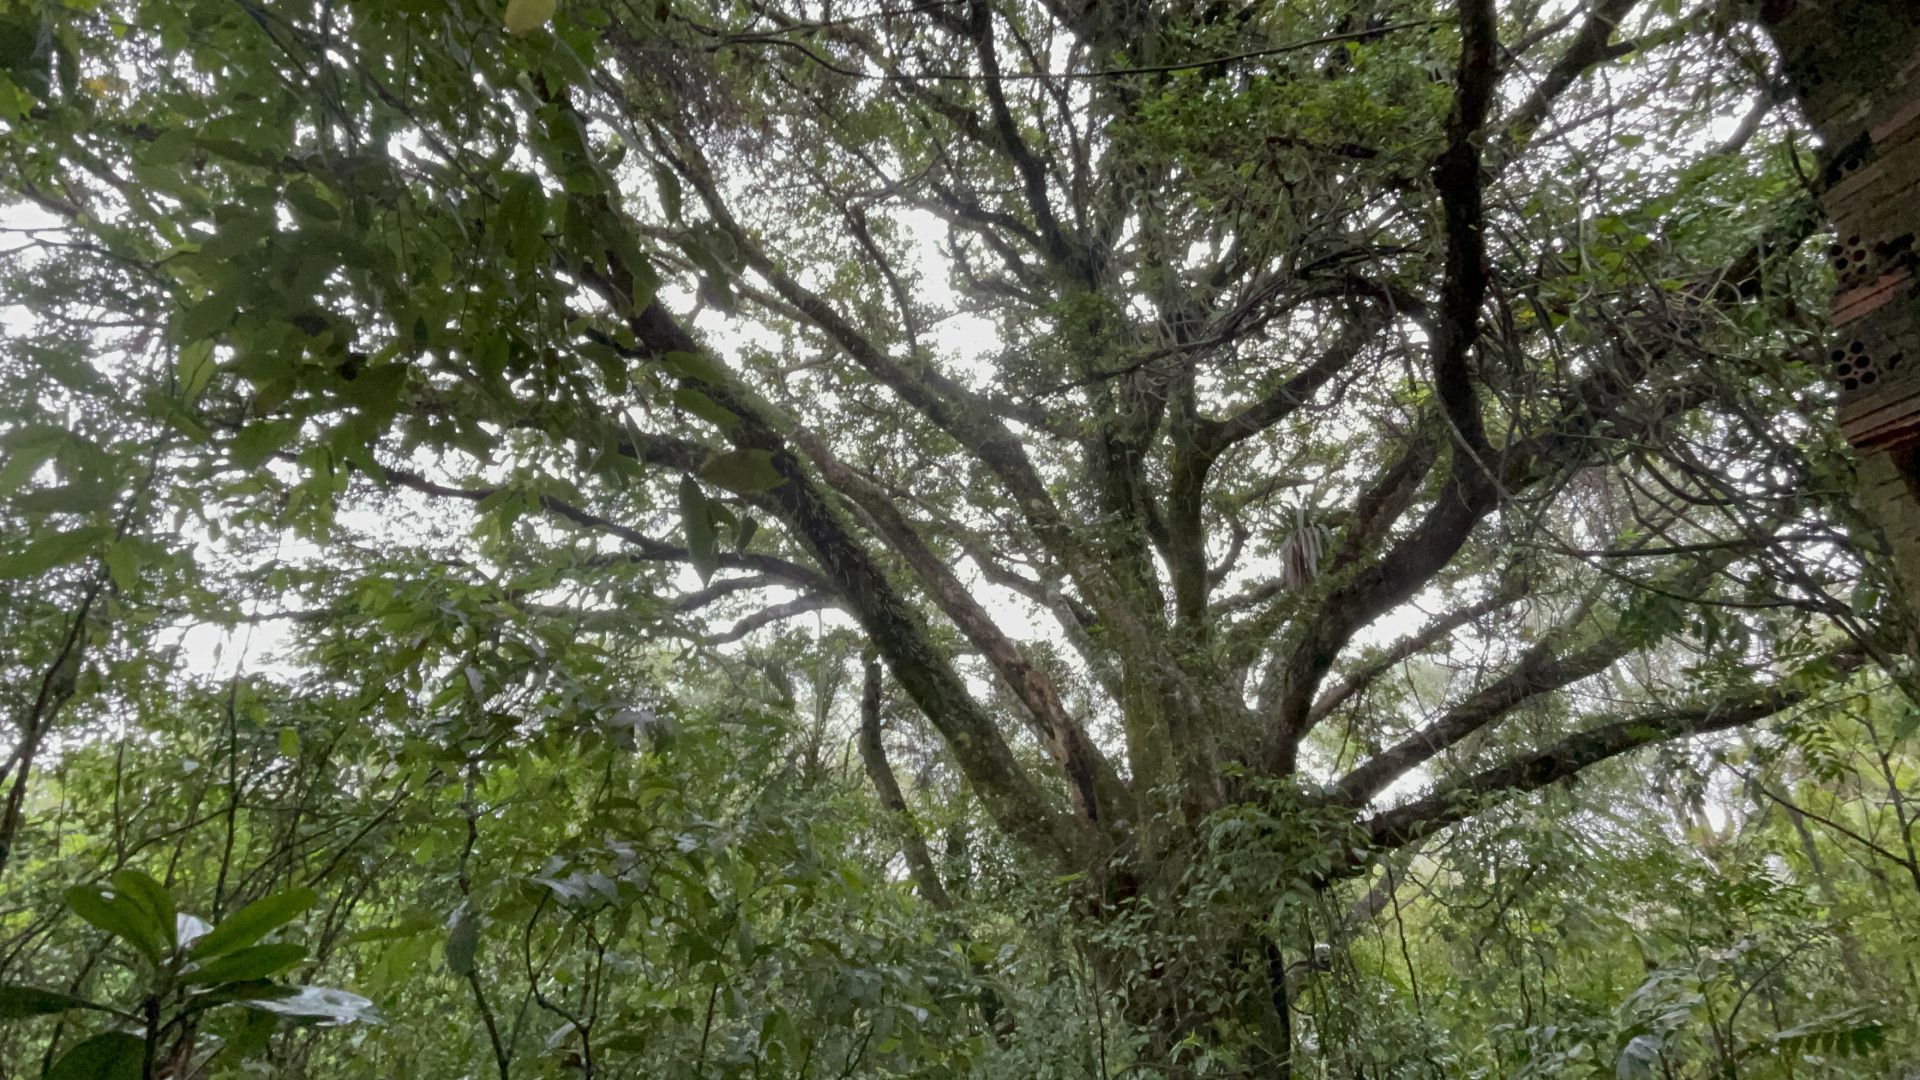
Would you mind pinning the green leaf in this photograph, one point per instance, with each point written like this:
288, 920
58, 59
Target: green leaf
526, 16
26, 451
253, 922
155, 903
645, 281
86, 497
20, 1002
631, 1042
695, 366
261, 440
48, 552
120, 916
26, 53
123, 564
112, 1055
1841, 1035
245, 1033
242, 965
289, 743
89, 497
745, 471
667, 183
463, 942
520, 220
1637, 1058
304, 195
194, 368
704, 407
696, 516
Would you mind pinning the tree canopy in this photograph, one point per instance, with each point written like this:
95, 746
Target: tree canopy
979, 537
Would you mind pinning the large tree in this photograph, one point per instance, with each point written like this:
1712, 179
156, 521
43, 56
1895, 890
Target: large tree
1255, 438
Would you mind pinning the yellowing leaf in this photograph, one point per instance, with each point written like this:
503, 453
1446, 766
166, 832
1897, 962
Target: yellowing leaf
526, 16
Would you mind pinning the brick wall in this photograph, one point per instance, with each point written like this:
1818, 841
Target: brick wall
1856, 67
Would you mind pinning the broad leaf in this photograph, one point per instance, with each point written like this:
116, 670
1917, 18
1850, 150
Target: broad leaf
696, 517
526, 16
19, 1002
120, 916
253, 922
113, 1055
49, 552
244, 965
463, 942
745, 471
155, 904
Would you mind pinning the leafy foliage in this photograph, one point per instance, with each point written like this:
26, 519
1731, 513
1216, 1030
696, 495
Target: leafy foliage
989, 539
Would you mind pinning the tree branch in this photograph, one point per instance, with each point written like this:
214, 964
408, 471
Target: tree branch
1333, 697
1092, 781
768, 616
656, 550
1591, 45
873, 755
1461, 799
1456, 175
1280, 402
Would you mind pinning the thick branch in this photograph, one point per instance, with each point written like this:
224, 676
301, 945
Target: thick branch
1537, 673
790, 573
1033, 175
767, 616
1457, 801
1333, 697
1092, 781
1283, 400
974, 426
1393, 578
895, 630
1591, 45
1457, 177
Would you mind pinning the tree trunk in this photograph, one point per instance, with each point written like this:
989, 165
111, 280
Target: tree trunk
1203, 985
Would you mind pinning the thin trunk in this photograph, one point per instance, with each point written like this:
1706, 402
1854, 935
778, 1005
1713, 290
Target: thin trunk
873, 754
1280, 1027
56, 687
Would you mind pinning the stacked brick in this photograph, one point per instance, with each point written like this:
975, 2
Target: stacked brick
1856, 67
